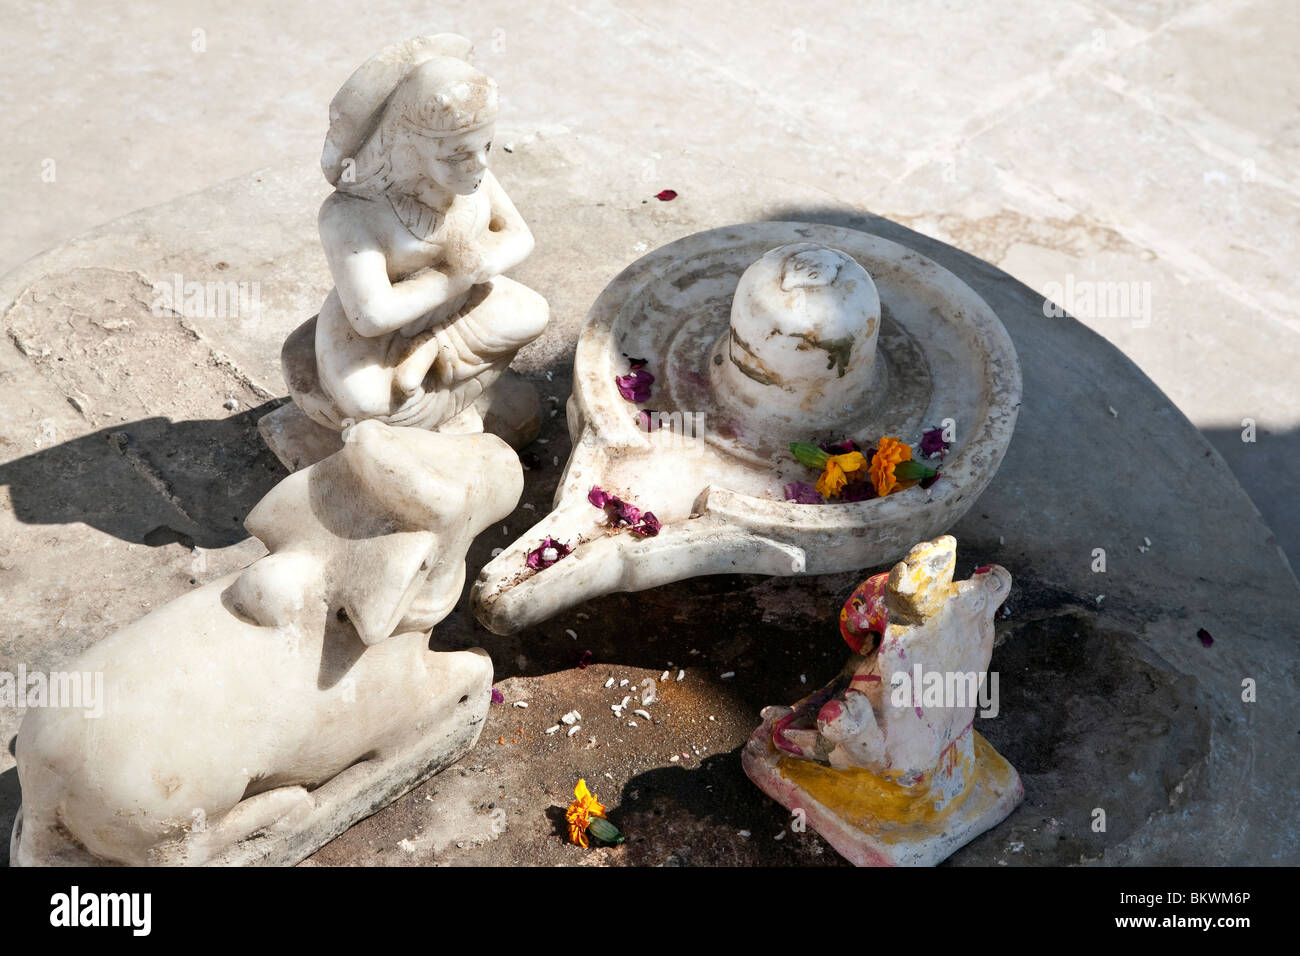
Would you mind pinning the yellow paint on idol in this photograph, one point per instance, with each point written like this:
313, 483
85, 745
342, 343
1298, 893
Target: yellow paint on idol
884, 807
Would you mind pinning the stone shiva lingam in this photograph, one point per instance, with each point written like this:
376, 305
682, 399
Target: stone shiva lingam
884, 762
705, 361
421, 325
255, 718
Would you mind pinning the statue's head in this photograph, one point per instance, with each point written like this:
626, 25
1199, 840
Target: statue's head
444, 115
434, 130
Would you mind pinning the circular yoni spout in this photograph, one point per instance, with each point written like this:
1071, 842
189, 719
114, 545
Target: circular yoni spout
802, 342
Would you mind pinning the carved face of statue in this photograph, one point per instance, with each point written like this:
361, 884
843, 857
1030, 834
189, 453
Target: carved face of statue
432, 140
461, 160
454, 162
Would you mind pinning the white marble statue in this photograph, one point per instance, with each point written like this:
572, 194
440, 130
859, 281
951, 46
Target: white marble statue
421, 324
257, 717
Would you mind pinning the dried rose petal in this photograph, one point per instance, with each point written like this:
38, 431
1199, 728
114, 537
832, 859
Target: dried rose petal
666, 195
927, 482
839, 447
932, 443
625, 513
802, 492
635, 386
621, 513
858, 491
585, 660
498, 697
649, 526
1204, 635
618, 510
984, 569
546, 554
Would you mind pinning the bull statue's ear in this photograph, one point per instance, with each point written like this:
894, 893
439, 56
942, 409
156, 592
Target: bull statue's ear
921, 583
376, 579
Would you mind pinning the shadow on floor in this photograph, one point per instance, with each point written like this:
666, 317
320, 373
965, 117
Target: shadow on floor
10, 799
152, 481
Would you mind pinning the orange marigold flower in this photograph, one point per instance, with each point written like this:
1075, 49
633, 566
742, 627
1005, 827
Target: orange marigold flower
839, 469
580, 812
890, 453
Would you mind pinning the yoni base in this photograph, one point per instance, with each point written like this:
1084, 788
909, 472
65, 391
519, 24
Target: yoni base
871, 821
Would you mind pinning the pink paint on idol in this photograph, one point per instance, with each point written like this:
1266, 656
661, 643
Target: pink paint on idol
832, 711
865, 615
779, 738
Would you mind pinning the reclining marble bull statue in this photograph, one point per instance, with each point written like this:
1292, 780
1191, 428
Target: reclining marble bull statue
257, 717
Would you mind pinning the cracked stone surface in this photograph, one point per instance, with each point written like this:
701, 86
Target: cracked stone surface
123, 491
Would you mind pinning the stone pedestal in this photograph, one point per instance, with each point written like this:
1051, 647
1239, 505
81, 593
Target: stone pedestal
871, 820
